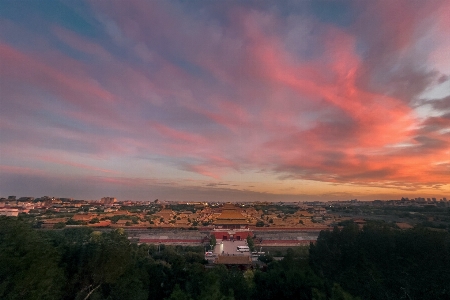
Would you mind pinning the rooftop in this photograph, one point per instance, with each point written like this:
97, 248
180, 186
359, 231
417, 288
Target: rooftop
233, 260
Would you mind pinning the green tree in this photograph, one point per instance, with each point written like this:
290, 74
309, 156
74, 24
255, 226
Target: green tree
94, 262
28, 263
59, 225
178, 294
380, 262
250, 243
290, 278
94, 220
213, 241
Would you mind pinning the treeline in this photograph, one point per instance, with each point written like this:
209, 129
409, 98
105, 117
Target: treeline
77, 263
381, 262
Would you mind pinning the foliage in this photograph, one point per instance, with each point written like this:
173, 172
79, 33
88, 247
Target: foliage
265, 258
94, 220
73, 222
59, 225
376, 262
290, 278
182, 207
381, 262
260, 224
213, 241
28, 263
250, 243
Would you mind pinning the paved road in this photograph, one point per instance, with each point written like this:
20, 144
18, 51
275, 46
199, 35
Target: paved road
229, 247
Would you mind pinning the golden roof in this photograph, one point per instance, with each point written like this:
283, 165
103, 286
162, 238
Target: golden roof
231, 215
230, 222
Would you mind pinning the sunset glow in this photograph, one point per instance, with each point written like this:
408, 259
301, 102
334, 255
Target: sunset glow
225, 100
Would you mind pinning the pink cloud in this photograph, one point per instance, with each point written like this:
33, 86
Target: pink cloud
439, 54
5, 169
205, 170
61, 161
177, 135
216, 98
20, 66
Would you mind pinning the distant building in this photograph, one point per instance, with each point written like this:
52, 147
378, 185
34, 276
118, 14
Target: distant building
108, 200
26, 199
9, 212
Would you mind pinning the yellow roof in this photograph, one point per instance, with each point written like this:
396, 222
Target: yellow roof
229, 214
230, 222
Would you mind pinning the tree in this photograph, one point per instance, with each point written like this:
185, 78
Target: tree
178, 294
28, 263
59, 225
250, 243
380, 262
94, 262
290, 278
94, 220
213, 241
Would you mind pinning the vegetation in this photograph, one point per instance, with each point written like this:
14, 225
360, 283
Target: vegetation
285, 209
381, 262
213, 241
260, 223
59, 225
250, 243
376, 262
182, 207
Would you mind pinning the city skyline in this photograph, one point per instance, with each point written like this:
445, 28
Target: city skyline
226, 100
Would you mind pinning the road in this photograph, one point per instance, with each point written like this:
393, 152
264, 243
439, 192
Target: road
229, 247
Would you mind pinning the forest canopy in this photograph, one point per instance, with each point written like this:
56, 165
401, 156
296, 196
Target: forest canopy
375, 262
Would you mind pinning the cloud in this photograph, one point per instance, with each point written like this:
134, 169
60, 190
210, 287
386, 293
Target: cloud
233, 90
441, 104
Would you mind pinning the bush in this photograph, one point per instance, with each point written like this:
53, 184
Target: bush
59, 225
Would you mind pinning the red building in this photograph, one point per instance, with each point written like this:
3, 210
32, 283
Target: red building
231, 224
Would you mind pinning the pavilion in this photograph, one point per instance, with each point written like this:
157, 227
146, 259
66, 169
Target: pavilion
231, 224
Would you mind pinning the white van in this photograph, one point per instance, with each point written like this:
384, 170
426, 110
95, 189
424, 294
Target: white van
243, 248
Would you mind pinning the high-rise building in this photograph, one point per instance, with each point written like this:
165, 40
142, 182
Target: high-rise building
108, 200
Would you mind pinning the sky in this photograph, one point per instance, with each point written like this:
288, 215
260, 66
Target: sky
225, 100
